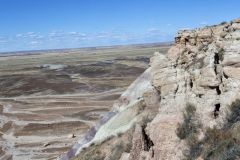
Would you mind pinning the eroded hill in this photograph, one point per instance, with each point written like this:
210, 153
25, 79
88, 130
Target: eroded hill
49, 100
193, 87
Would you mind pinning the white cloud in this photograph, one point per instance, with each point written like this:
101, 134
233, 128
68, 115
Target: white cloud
204, 23
102, 35
3, 41
1, 38
56, 34
75, 39
39, 37
153, 32
73, 33
152, 29
182, 29
35, 42
19, 35
76, 34
30, 35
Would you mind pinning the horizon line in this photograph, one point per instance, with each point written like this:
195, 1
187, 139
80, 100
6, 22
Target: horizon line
89, 47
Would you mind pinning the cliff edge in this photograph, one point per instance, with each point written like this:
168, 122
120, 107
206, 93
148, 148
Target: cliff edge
202, 69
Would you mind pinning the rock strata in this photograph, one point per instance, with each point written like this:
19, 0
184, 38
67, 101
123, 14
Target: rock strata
201, 68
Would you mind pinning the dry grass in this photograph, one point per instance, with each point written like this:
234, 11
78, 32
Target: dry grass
190, 123
217, 144
111, 149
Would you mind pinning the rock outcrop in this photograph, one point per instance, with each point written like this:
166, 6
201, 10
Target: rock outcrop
201, 68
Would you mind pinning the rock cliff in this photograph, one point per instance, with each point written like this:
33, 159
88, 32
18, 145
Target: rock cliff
201, 68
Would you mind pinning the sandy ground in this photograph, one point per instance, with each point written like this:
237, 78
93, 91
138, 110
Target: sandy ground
46, 98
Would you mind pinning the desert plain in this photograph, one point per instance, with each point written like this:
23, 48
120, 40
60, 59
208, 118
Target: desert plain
49, 99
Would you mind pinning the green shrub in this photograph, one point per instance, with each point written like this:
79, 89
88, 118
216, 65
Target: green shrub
146, 120
224, 143
117, 151
190, 123
188, 130
221, 54
218, 143
194, 148
120, 147
129, 143
234, 115
92, 153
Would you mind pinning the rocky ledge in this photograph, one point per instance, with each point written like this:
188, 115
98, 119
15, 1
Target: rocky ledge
202, 68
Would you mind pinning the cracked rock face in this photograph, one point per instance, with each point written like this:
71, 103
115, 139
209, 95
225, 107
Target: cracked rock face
202, 68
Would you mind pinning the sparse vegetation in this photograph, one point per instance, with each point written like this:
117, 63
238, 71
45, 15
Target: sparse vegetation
146, 119
190, 123
188, 130
92, 153
234, 114
117, 151
111, 149
221, 54
120, 147
218, 143
129, 144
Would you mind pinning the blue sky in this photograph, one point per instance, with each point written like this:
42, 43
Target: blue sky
51, 24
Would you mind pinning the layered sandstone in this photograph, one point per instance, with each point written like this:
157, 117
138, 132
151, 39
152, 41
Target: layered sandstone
201, 68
